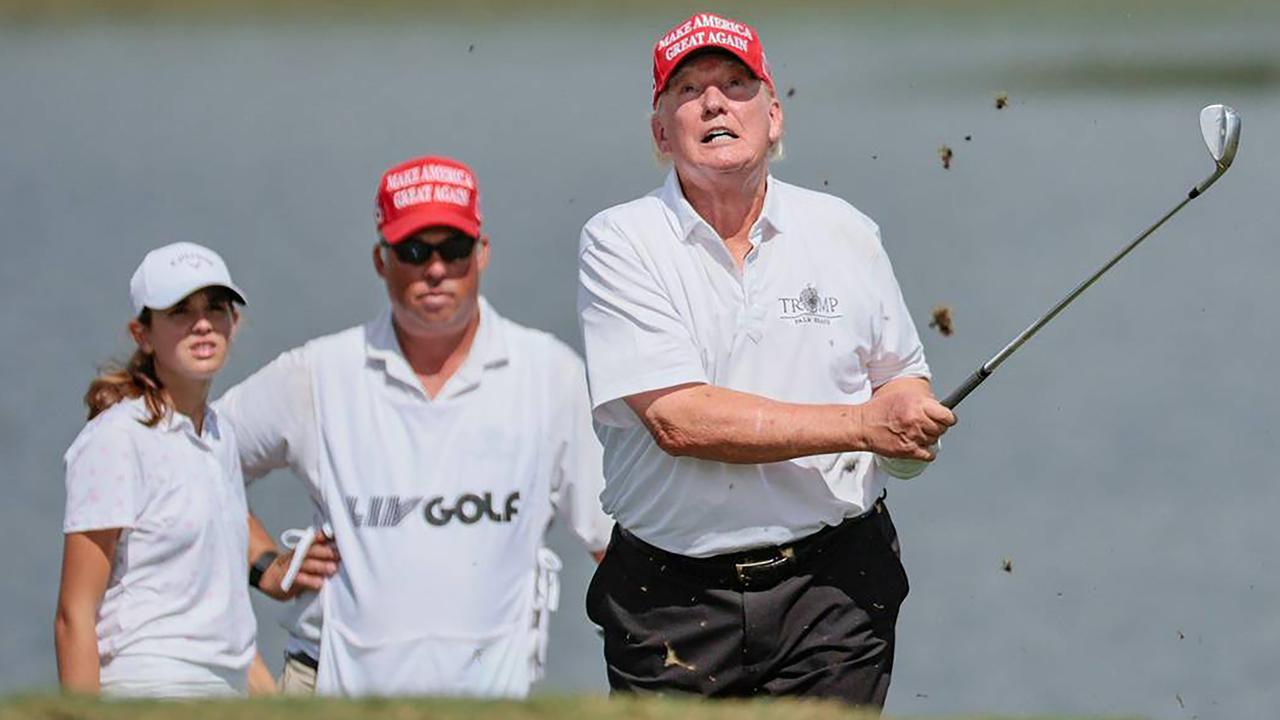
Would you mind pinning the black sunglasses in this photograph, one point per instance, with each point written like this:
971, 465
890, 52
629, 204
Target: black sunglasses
453, 248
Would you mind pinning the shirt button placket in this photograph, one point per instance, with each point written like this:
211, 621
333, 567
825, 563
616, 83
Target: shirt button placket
753, 316
214, 483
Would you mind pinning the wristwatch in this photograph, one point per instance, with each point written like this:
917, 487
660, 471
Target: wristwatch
259, 566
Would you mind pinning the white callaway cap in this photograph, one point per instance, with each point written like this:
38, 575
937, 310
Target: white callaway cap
172, 272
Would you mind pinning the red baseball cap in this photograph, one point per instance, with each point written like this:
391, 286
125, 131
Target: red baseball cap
702, 31
425, 192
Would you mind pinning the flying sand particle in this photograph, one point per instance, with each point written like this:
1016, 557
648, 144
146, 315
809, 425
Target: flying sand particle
1007, 565
967, 138
471, 47
942, 320
944, 152
791, 92
1002, 101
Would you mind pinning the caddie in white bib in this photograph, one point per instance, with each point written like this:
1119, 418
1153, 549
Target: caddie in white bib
439, 440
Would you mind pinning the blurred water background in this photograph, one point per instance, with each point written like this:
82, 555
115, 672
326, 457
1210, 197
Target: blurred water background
1122, 461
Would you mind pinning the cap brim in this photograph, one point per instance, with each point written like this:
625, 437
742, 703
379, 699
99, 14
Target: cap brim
165, 302
401, 228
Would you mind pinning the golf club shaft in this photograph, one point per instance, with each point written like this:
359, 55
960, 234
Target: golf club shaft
989, 367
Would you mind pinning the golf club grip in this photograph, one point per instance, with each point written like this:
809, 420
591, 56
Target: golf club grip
960, 393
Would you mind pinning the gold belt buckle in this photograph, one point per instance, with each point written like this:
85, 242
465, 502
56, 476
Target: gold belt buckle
743, 570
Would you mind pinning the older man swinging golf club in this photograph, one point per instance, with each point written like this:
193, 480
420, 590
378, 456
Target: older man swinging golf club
751, 364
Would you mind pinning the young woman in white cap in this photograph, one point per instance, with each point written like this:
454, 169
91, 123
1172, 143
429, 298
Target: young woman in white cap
153, 599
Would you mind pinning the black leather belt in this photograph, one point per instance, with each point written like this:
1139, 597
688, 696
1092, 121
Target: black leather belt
757, 568
303, 658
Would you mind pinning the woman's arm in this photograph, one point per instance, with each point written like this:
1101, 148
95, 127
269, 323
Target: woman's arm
261, 683
86, 569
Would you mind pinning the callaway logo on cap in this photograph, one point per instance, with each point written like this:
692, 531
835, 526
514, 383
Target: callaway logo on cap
172, 272
702, 31
427, 192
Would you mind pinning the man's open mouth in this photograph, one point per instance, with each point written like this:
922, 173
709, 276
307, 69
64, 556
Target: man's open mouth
719, 134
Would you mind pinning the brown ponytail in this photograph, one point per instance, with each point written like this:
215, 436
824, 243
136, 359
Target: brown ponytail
137, 378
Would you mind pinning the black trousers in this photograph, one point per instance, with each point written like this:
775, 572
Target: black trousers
812, 619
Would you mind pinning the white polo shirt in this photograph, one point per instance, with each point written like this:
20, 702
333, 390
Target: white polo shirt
814, 316
176, 608
439, 506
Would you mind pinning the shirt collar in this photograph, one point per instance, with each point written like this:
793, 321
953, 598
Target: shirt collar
688, 219
488, 350
174, 421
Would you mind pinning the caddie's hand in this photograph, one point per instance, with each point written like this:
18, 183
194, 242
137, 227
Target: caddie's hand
320, 563
904, 425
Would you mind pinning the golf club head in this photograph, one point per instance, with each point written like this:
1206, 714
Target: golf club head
1220, 126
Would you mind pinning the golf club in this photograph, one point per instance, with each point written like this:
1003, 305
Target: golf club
1220, 126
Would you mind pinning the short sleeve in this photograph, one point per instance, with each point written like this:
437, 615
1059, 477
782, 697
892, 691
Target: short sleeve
898, 352
105, 485
273, 415
578, 477
635, 340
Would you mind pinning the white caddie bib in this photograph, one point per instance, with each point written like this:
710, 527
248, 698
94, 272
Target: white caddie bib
438, 507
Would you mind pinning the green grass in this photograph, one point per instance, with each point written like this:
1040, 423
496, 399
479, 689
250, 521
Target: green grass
436, 709
542, 708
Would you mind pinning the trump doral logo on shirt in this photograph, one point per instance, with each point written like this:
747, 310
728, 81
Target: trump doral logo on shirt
809, 307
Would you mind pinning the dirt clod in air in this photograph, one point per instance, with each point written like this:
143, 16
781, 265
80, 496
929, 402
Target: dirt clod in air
967, 138
1002, 101
826, 183
1181, 636
791, 92
1007, 565
942, 320
471, 48
673, 660
1180, 703
944, 152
